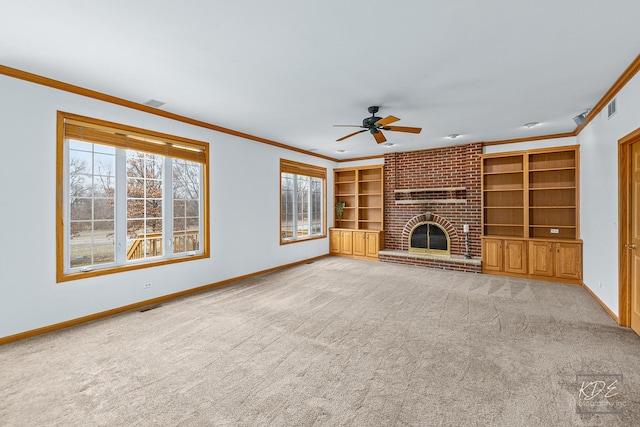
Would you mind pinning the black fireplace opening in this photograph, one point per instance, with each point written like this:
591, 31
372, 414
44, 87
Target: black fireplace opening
429, 238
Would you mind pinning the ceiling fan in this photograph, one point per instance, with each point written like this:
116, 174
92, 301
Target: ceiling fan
375, 124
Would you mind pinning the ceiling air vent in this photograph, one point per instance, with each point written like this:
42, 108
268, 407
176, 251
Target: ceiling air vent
611, 108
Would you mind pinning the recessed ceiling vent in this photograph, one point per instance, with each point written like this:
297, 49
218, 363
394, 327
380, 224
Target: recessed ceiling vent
611, 108
154, 103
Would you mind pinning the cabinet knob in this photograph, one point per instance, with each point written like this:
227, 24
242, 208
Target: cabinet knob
630, 246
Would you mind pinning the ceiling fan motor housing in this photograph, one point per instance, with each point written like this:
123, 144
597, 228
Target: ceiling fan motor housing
370, 121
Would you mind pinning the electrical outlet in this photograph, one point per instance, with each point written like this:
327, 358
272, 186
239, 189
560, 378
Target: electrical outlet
146, 285
555, 231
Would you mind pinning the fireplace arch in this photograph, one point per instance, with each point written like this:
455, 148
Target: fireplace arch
454, 238
431, 238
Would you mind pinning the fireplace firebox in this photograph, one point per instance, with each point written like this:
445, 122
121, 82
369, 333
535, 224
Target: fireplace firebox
429, 237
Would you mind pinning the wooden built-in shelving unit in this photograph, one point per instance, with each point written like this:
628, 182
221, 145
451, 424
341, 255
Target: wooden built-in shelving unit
530, 213
361, 189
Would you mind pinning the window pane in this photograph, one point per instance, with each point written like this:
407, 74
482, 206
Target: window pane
179, 224
104, 209
92, 246
135, 187
179, 206
91, 204
302, 206
144, 205
286, 210
153, 208
186, 205
81, 209
316, 206
193, 208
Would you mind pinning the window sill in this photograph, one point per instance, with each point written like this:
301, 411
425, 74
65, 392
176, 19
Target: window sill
302, 239
66, 277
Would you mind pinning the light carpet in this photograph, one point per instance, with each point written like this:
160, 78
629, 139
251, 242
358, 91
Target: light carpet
337, 342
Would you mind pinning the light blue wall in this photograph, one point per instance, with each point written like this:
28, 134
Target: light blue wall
599, 192
244, 198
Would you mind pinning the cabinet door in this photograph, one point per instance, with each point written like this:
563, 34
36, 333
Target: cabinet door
492, 254
541, 258
346, 242
359, 247
515, 256
568, 260
372, 245
335, 240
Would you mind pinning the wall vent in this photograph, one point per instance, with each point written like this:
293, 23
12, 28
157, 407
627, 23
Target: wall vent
611, 108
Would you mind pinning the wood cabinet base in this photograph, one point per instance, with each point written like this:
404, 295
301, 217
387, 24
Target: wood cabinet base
537, 259
351, 243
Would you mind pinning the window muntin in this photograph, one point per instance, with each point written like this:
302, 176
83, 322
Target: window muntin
128, 198
302, 201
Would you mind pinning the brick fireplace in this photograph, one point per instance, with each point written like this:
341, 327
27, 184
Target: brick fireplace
442, 186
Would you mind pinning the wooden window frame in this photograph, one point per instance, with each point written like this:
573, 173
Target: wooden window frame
124, 137
303, 169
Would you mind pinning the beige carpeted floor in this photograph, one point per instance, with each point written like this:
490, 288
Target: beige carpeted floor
337, 342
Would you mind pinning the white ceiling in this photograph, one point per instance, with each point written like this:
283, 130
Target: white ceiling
287, 70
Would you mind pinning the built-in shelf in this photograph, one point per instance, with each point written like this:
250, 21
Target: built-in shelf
361, 191
530, 214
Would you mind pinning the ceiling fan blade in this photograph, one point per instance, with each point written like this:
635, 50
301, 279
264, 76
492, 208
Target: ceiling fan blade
379, 137
402, 129
351, 134
386, 121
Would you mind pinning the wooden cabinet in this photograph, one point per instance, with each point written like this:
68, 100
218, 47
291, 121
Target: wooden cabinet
366, 243
335, 241
532, 195
361, 222
359, 243
340, 242
492, 255
504, 255
355, 243
541, 258
515, 256
558, 260
373, 244
568, 260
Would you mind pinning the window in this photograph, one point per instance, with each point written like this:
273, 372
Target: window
302, 201
127, 198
